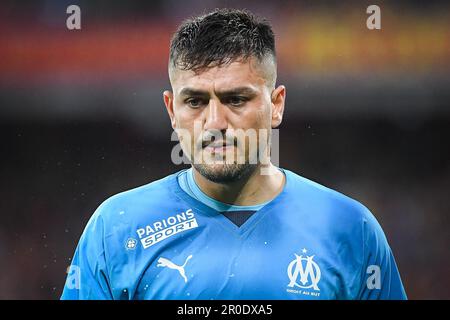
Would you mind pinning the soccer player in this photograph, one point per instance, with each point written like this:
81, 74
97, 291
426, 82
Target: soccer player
233, 226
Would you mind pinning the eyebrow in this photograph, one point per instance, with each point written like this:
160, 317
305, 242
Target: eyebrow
231, 92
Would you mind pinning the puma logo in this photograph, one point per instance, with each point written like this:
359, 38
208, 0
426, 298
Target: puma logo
163, 262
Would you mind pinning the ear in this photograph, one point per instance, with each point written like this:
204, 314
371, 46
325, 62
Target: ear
278, 98
168, 101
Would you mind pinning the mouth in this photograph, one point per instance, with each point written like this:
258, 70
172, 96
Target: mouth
217, 146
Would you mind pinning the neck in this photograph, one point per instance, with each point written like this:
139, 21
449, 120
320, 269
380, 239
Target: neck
254, 190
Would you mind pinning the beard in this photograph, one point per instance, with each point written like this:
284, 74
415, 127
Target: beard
217, 167
225, 173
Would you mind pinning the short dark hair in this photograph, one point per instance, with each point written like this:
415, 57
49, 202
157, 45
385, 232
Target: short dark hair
220, 37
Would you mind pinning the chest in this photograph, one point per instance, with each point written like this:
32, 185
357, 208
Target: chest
215, 263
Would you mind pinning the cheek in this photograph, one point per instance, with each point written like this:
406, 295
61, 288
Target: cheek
189, 130
257, 117
186, 118
264, 116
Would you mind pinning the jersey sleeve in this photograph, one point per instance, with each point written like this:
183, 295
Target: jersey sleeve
87, 277
380, 277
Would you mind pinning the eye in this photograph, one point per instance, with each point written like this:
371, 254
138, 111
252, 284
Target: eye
194, 102
236, 101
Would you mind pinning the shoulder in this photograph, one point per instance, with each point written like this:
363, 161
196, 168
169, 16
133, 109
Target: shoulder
325, 198
146, 194
130, 207
329, 207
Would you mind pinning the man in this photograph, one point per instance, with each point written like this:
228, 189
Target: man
233, 226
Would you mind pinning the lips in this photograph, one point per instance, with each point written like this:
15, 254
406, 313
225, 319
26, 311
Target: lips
217, 147
217, 144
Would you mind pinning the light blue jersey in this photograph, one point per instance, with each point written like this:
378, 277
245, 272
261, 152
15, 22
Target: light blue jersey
159, 241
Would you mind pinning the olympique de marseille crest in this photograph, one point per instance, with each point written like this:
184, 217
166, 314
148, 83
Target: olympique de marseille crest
303, 272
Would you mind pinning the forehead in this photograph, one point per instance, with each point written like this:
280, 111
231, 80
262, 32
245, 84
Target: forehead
239, 73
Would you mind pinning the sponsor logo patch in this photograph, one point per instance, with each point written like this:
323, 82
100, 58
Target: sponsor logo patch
165, 228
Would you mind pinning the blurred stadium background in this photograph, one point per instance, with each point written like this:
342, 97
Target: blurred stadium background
82, 118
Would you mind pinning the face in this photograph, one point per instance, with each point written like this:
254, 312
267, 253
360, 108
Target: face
224, 116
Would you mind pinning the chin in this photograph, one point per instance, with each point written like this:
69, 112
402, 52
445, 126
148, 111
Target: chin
225, 173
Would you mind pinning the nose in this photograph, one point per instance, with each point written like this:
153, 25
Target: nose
216, 116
